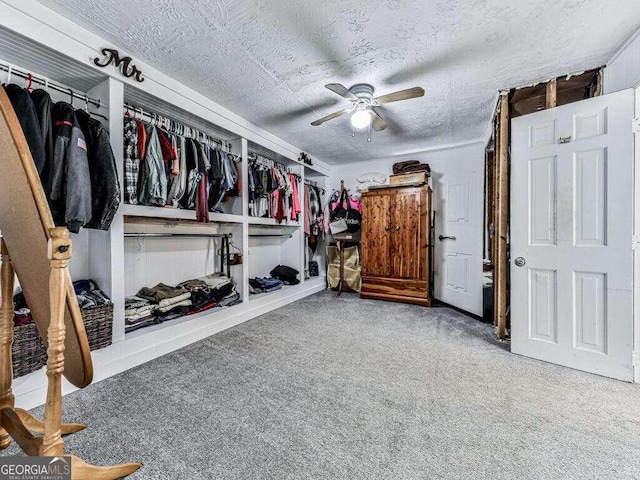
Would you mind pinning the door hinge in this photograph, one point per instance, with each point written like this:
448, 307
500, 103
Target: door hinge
635, 242
635, 125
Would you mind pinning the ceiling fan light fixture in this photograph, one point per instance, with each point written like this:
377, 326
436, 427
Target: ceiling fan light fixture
361, 119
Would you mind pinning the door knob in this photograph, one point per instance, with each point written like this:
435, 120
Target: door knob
520, 262
442, 237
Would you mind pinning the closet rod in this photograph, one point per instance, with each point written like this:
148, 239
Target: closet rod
271, 235
175, 235
11, 70
173, 126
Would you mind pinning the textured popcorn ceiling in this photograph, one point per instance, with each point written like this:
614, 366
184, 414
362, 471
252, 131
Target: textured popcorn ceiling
268, 60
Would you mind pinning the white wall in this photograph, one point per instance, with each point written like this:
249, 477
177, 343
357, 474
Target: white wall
443, 163
623, 70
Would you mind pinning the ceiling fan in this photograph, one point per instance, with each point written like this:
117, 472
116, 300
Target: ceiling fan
364, 106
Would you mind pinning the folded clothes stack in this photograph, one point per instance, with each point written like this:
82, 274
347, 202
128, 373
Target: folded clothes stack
138, 313
151, 306
411, 166
264, 285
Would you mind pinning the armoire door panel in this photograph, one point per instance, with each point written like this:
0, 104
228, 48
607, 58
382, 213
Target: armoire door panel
376, 236
406, 228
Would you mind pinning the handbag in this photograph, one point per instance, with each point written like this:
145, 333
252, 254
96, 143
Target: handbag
343, 210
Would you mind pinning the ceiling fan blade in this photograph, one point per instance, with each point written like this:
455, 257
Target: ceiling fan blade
377, 122
414, 92
331, 117
341, 90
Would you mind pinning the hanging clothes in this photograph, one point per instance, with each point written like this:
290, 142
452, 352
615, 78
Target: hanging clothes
105, 187
131, 161
28, 118
71, 184
153, 190
43, 104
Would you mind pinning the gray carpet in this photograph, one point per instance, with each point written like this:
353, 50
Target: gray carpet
345, 388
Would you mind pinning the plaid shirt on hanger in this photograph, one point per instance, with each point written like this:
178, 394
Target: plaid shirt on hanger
131, 162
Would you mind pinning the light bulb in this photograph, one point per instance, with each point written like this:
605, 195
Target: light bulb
361, 119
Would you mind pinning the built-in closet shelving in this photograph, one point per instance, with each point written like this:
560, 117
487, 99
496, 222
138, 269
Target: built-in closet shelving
121, 261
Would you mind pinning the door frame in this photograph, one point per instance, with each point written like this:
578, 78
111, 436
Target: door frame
636, 235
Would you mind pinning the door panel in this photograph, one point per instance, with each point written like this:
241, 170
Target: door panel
376, 251
571, 227
457, 184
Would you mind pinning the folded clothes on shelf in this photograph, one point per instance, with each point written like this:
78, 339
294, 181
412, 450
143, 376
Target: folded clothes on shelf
168, 308
133, 302
167, 302
131, 326
175, 312
215, 280
193, 285
138, 313
265, 284
160, 292
230, 300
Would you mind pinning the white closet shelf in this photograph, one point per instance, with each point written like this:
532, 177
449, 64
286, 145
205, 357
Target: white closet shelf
175, 213
272, 222
259, 296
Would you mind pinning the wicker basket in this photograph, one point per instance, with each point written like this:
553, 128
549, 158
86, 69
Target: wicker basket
98, 322
30, 353
28, 350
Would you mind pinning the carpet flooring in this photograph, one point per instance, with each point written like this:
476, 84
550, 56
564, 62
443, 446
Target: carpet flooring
344, 388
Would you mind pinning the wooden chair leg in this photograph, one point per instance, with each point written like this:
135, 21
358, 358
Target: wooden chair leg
59, 254
36, 425
83, 471
6, 339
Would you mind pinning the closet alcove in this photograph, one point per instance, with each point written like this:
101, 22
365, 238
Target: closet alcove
122, 260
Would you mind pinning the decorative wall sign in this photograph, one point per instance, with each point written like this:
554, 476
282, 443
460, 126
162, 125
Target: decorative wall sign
112, 56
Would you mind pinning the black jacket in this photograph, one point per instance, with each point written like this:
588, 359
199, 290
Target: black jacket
70, 199
26, 113
42, 103
105, 187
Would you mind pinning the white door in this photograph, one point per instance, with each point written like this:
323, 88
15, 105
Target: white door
571, 228
457, 183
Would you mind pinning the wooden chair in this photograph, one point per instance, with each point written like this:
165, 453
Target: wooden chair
38, 252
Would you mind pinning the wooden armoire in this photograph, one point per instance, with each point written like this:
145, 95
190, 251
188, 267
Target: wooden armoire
395, 244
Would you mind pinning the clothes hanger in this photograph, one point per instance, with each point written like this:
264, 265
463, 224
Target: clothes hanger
9, 75
71, 97
30, 80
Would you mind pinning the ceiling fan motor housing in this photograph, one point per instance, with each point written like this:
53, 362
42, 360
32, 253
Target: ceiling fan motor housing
363, 91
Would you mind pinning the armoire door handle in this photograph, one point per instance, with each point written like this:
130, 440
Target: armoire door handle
397, 228
442, 237
386, 229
